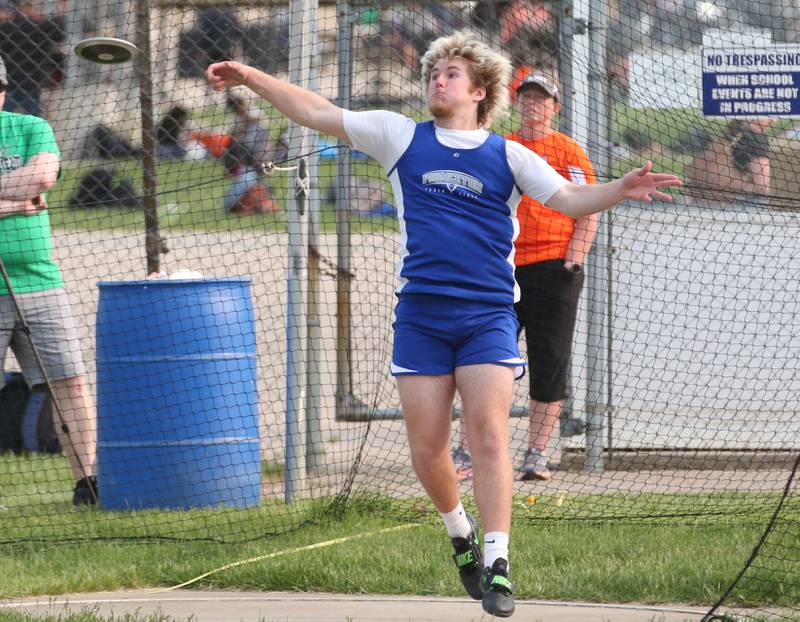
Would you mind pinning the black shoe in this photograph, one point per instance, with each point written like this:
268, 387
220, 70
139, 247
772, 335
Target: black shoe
498, 591
469, 560
85, 491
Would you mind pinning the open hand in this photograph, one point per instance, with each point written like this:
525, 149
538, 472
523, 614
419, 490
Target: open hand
227, 74
642, 184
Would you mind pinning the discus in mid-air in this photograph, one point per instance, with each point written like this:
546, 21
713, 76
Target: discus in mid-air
107, 50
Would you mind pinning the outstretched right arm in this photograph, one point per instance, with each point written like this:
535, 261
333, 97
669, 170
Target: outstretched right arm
298, 104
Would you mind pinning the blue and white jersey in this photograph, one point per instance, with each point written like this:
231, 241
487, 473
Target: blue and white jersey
456, 193
459, 227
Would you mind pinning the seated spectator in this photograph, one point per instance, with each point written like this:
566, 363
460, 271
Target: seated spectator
212, 144
409, 27
171, 134
529, 33
735, 165
249, 149
527, 30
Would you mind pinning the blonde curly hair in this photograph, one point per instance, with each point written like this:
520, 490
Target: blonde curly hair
487, 68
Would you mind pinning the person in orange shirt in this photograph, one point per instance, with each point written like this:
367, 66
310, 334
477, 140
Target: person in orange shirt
550, 252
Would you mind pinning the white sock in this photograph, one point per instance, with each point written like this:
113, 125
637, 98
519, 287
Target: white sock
456, 522
495, 546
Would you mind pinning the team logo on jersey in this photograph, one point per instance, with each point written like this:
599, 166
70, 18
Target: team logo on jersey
453, 180
9, 162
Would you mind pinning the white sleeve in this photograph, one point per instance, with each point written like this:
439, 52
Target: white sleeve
534, 176
382, 134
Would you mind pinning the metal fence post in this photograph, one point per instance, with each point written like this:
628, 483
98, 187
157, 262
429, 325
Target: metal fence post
314, 443
303, 14
598, 358
153, 246
344, 380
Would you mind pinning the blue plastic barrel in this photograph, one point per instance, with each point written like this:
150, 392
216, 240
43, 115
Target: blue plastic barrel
177, 404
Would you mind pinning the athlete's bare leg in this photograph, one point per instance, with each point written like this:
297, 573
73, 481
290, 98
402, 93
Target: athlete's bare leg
487, 391
427, 403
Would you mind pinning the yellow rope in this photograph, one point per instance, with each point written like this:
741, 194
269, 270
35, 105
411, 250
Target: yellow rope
309, 547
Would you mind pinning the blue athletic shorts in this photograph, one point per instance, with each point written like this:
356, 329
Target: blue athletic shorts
435, 334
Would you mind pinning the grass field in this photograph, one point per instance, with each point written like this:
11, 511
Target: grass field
190, 196
603, 563
49, 547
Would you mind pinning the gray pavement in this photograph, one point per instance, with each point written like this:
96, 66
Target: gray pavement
212, 606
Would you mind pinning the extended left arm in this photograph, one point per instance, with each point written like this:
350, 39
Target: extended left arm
640, 185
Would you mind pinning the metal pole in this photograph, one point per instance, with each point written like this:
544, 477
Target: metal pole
119, 12
344, 380
566, 122
565, 57
597, 408
610, 337
391, 414
74, 33
153, 247
302, 16
570, 25
296, 342
314, 444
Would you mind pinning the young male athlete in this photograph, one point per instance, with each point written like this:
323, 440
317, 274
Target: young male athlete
456, 187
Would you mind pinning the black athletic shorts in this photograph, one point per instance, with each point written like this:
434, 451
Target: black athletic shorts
546, 312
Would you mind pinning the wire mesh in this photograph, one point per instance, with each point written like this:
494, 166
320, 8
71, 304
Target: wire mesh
682, 374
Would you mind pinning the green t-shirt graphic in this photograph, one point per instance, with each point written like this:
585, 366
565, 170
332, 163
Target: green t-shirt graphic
25, 245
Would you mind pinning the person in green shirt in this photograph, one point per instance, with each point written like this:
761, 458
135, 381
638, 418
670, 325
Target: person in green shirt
29, 166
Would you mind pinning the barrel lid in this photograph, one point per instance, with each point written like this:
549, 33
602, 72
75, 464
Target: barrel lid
165, 282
